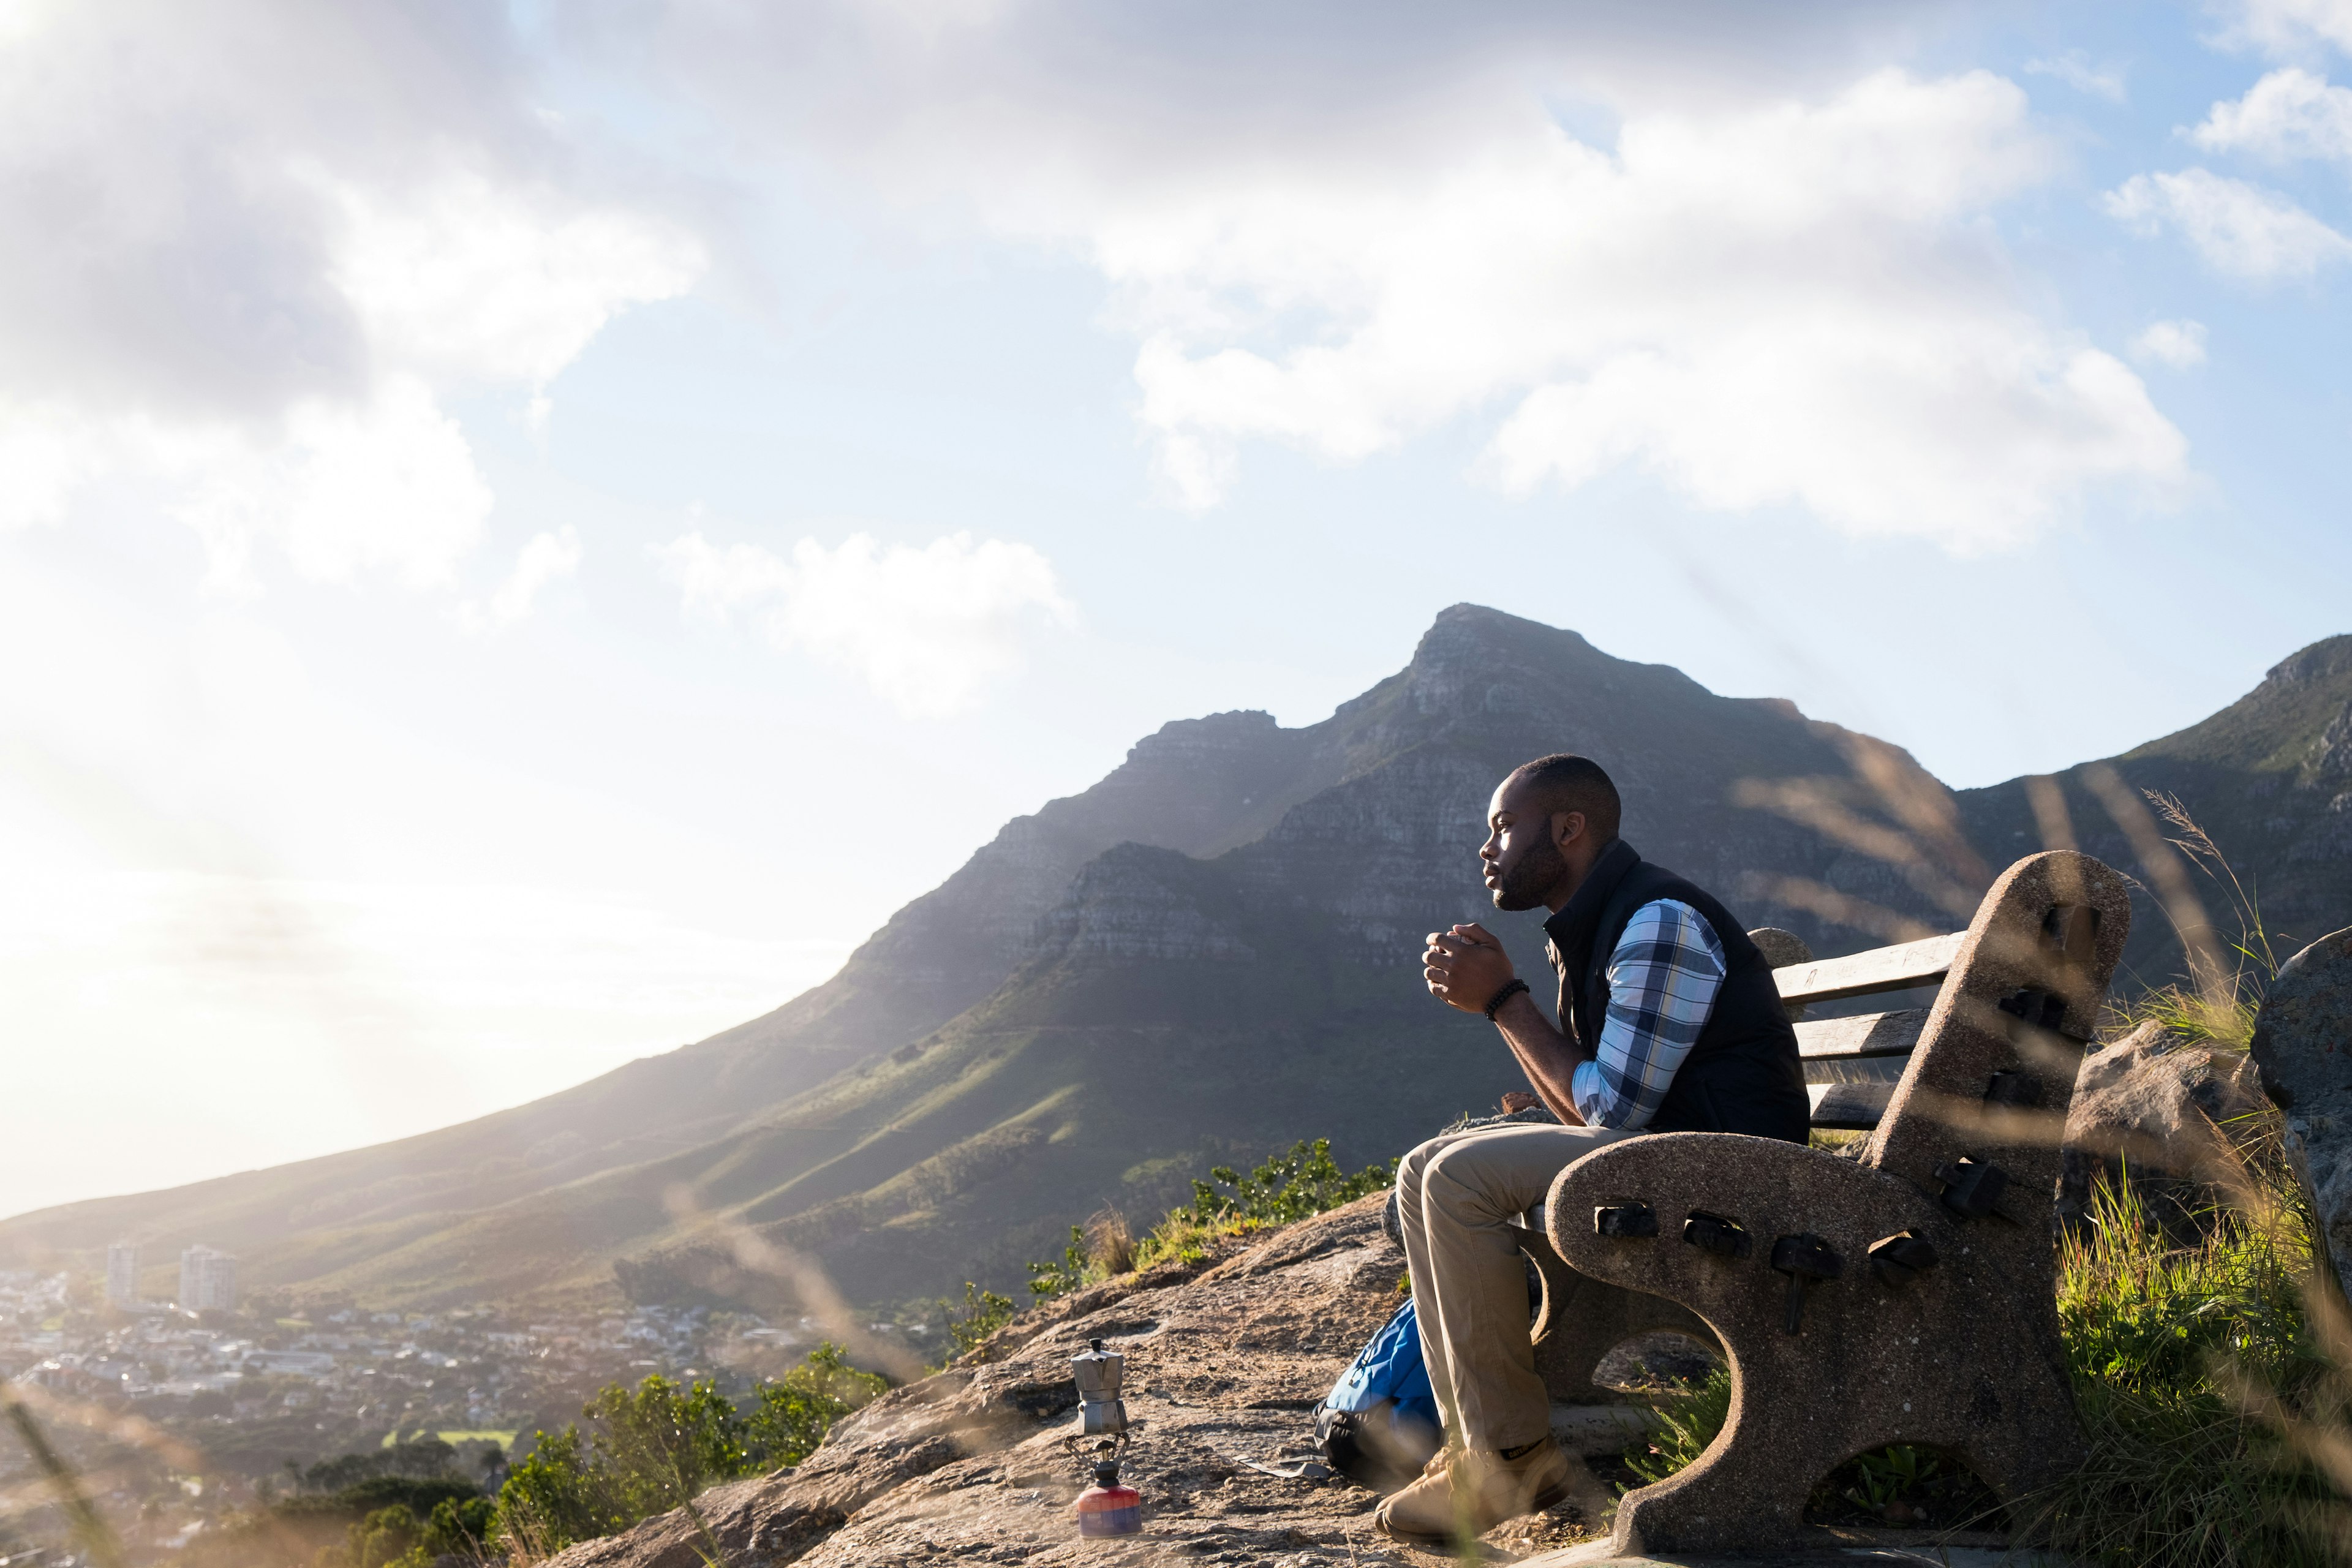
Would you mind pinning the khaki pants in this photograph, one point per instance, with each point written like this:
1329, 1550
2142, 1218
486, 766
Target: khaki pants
1456, 1193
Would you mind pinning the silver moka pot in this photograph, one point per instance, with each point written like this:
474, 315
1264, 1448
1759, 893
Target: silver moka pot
1099, 1373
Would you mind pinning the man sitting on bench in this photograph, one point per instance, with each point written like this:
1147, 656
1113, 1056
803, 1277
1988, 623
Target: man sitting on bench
1669, 1022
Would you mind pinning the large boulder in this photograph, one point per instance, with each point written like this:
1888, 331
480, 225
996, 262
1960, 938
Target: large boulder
2302, 1042
2167, 1115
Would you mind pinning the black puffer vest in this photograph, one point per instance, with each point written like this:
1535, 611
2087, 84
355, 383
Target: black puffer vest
1744, 1074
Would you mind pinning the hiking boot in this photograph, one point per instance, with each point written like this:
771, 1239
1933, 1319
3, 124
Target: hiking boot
1422, 1510
1478, 1491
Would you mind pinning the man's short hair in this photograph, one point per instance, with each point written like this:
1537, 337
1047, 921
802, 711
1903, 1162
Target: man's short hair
1566, 781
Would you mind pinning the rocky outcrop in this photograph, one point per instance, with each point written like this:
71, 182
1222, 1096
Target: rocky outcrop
2302, 1043
1138, 904
2168, 1115
1225, 1362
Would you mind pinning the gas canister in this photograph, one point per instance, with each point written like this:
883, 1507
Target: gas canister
1107, 1508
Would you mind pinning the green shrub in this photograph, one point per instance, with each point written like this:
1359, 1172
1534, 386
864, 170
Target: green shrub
457, 1527
1064, 1274
1689, 1420
1293, 1186
385, 1537
652, 1449
983, 1313
794, 1412
1289, 1186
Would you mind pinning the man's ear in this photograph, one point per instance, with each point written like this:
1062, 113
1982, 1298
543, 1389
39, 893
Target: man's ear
1566, 826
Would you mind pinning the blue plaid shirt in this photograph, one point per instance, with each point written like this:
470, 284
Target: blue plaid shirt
1662, 977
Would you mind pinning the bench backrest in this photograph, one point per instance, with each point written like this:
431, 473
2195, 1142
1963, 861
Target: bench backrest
1852, 1064
2038, 969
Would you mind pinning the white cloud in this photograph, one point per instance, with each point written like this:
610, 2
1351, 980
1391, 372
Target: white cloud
548, 556
2288, 114
2180, 344
1977, 440
2074, 68
1341, 228
389, 486
2236, 228
925, 628
272, 240
2294, 27
1795, 303
471, 280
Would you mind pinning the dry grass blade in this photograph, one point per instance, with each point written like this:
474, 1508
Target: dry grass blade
2211, 977
1814, 803
2254, 940
131, 1431
1918, 800
1841, 909
2051, 818
89, 1527
1110, 1244
807, 1283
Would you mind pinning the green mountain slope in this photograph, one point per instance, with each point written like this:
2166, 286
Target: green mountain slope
1197, 785
2269, 778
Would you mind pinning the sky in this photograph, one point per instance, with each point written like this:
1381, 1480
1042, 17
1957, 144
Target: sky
526, 532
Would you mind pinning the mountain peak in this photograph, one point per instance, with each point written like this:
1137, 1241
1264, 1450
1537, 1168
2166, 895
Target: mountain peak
2323, 661
1471, 635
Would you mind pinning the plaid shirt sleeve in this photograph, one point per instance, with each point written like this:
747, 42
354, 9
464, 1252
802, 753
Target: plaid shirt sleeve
1662, 978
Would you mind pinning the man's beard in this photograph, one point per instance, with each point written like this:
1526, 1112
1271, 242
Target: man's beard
1535, 873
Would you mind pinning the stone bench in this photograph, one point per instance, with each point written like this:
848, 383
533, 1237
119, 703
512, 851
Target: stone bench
1901, 1296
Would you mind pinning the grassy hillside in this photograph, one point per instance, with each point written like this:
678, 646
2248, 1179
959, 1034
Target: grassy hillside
1194, 785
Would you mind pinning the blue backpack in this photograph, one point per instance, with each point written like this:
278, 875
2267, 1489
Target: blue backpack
1379, 1424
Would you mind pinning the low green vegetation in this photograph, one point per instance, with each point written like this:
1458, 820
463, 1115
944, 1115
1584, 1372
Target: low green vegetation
1689, 1420
2193, 1366
635, 1452
652, 1449
395, 1537
1300, 1182
981, 1314
1290, 1186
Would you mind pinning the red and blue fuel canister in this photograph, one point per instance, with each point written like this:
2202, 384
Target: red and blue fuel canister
1107, 1508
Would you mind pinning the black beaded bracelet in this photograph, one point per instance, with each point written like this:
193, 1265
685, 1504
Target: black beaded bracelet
1511, 988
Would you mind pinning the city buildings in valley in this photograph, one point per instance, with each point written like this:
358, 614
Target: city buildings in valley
122, 1273
207, 1280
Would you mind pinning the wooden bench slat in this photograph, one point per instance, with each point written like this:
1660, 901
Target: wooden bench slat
1856, 1069
1849, 1106
1898, 968
1868, 1034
